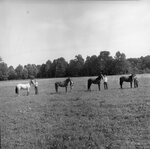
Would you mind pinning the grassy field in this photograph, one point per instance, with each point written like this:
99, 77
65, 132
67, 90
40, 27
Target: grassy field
110, 119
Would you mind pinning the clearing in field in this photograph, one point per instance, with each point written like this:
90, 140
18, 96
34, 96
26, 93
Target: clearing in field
107, 119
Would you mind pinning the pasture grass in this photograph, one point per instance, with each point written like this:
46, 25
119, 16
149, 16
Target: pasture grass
80, 119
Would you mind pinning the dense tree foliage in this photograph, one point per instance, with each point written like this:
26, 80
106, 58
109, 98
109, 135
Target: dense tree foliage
3, 71
60, 67
12, 73
76, 67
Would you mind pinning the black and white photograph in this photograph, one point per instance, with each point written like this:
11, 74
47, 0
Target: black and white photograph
74, 74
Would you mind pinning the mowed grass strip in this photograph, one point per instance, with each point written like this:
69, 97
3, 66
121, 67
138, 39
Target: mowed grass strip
109, 119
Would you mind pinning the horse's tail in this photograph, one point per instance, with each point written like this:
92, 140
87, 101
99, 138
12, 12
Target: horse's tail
89, 84
120, 82
16, 90
56, 87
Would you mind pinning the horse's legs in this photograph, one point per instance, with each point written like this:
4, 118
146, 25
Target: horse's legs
70, 88
89, 87
18, 91
131, 84
27, 92
89, 84
56, 87
99, 86
121, 83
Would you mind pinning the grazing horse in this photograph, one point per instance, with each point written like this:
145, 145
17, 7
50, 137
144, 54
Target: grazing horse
24, 87
95, 81
127, 79
64, 84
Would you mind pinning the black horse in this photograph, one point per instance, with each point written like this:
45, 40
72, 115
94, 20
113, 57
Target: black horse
127, 79
95, 81
63, 84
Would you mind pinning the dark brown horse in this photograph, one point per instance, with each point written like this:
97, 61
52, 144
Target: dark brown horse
63, 84
95, 81
127, 79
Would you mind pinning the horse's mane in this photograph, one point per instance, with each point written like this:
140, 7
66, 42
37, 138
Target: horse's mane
31, 82
68, 79
132, 76
99, 77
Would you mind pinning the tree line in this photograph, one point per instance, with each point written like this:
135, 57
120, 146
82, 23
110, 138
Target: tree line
91, 66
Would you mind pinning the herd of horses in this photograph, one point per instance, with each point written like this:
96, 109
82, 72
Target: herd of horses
131, 79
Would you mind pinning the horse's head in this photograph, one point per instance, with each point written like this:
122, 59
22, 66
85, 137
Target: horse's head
100, 76
133, 75
68, 80
71, 83
32, 82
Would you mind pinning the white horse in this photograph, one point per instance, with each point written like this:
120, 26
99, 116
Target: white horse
24, 87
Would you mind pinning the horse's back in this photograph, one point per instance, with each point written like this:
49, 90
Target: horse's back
61, 84
124, 78
89, 79
23, 86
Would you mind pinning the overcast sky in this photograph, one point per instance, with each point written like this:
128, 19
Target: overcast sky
36, 31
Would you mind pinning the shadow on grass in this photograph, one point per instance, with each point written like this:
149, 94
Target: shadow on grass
59, 93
